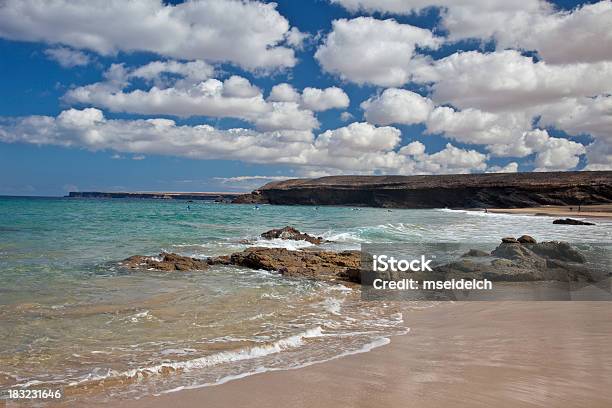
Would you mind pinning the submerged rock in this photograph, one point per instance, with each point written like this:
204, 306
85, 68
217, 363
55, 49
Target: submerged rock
165, 262
571, 221
292, 234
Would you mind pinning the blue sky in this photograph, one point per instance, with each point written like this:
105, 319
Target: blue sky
445, 95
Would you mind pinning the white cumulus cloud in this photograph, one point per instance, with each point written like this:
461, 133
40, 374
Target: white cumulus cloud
251, 34
508, 80
323, 99
190, 92
380, 52
398, 106
314, 99
359, 148
583, 34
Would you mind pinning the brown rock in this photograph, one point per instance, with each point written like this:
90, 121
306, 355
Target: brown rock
293, 234
509, 240
319, 265
526, 239
165, 262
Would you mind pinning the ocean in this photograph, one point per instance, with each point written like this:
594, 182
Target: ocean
70, 317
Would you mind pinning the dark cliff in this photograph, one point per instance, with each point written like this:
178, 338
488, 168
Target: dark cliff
505, 190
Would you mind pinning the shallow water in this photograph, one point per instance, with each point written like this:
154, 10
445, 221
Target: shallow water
70, 317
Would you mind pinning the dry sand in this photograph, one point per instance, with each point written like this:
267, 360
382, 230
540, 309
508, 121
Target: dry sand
601, 211
469, 354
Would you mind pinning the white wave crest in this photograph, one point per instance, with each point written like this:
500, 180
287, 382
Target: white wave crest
379, 342
208, 361
282, 243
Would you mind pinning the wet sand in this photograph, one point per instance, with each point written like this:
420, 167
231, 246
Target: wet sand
470, 354
594, 211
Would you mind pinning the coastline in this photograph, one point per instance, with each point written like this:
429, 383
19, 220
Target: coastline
488, 190
476, 354
587, 211
306, 204
450, 347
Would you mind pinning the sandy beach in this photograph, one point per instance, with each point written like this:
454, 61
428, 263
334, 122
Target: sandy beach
591, 211
478, 354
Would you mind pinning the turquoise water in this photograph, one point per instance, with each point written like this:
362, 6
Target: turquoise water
71, 317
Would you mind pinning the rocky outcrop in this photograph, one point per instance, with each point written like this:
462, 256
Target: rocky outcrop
319, 265
557, 250
255, 197
529, 261
452, 191
571, 221
316, 265
512, 260
292, 234
165, 262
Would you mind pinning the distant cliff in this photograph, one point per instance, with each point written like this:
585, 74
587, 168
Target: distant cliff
506, 190
156, 195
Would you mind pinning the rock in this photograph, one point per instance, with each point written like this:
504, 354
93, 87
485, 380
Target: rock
475, 253
497, 270
558, 250
526, 239
520, 254
165, 262
293, 234
545, 250
220, 260
510, 261
571, 221
502, 263
254, 197
318, 265
509, 240
525, 262
517, 270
